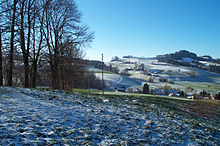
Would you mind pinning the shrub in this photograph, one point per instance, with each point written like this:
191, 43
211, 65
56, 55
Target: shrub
190, 89
151, 79
163, 80
182, 94
130, 90
171, 82
146, 88
191, 74
166, 88
218, 96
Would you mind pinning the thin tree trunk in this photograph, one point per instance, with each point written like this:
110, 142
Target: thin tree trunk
24, 51
1, 72
55, 72
26, 71
55, 78
28, 45
34, 74
11, 53
36, 59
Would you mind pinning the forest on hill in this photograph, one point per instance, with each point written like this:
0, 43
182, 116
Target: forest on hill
186, 58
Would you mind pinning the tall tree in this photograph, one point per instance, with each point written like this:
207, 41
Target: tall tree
1, 69
62, 22
26, 19
11, 53
37, 43
28, 10
22, 43
49, 28
71, 68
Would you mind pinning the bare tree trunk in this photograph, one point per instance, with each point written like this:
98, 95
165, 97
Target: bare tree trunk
12, 46
34, 74
24, 51
1, 72
34, 60
26, 72
55, 78
55, 71
28, 45
36, 53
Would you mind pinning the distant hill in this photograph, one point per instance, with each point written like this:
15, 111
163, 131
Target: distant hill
100, 65
186, 54
186, 58
181, 54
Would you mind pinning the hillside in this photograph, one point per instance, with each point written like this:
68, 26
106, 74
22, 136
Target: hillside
159, 75
186, 58
44, 117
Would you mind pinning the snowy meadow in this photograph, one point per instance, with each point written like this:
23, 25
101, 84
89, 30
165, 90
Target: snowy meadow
41, 117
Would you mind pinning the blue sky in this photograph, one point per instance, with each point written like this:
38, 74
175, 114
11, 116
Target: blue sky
147, 28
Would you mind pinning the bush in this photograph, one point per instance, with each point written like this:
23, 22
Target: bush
218, 96
166, 88
171, 82
124, 73
146, 88
182, 94
191, 74
190, 89
91, 82
130, 90
163, 80
151, 79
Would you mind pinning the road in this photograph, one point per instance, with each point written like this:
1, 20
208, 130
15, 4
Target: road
116, 81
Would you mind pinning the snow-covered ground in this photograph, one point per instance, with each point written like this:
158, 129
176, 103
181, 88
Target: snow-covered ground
174, 73
117, 81
178, 74
36, 117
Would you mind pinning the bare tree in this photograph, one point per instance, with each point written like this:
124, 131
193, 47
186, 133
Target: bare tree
50, 28
1, 69
12, 44
62, 23
26, 26
22, 42
37, 43
71, 67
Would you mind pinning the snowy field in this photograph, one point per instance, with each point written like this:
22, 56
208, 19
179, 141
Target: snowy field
37, 117
180, 75
113, 81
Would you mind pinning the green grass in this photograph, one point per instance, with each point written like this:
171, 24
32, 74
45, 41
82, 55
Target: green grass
202, 86
85, 91
137, 95
206, 109
105, 72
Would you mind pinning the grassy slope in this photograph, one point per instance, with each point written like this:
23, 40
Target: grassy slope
210, 87
85, 91
205, 109
173, 117
201, 86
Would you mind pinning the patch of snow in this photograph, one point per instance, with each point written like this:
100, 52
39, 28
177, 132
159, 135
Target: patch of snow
31, 117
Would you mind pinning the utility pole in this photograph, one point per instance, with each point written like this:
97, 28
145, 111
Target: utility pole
102, 75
